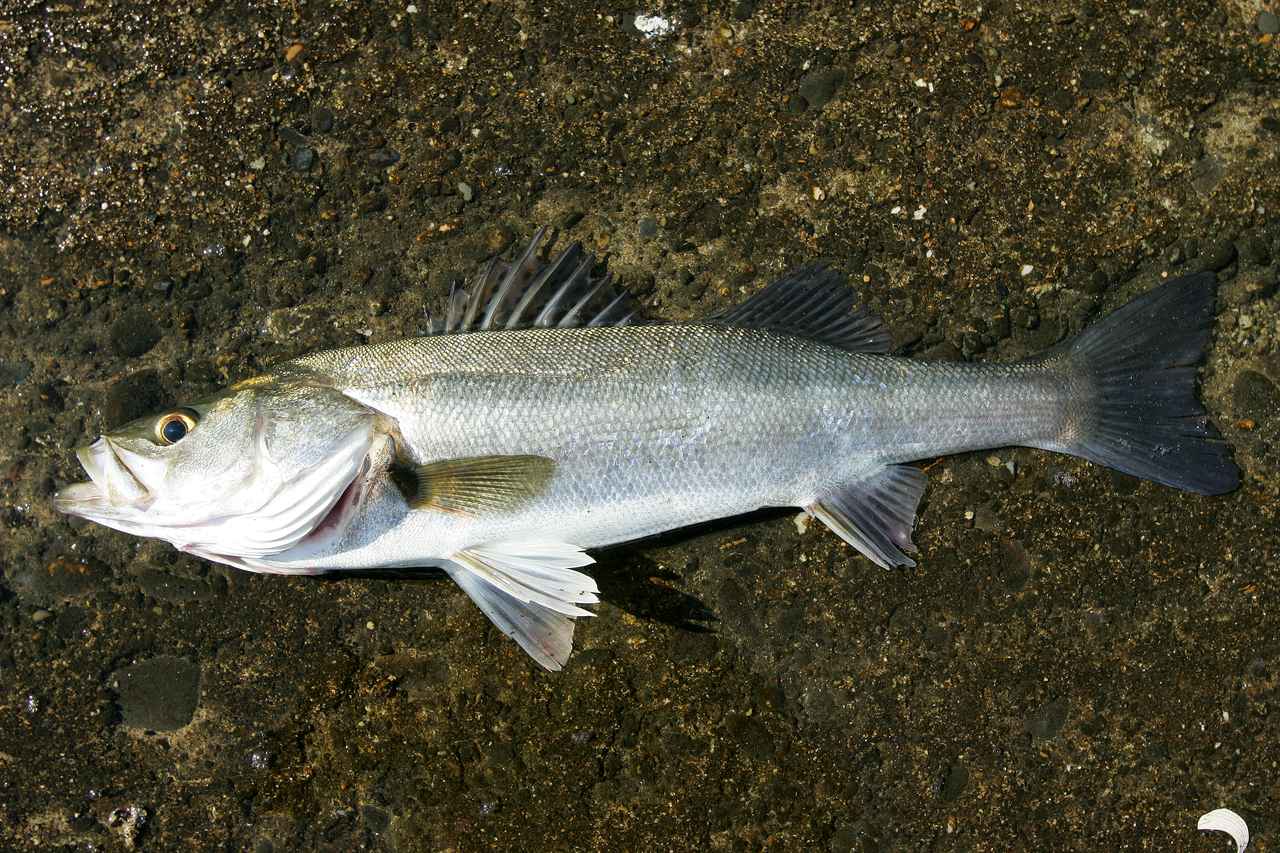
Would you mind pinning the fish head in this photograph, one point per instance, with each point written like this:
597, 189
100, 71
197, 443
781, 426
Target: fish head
249, 472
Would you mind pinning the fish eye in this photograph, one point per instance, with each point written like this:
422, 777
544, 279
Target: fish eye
173, 427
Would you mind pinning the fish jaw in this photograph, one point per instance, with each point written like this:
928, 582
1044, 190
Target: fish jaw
112, 477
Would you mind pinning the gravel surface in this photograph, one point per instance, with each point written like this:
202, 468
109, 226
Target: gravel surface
190, 192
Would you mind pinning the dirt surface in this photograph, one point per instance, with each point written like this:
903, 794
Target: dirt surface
191, 191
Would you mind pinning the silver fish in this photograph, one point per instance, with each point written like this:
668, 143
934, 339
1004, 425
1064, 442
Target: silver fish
534, 426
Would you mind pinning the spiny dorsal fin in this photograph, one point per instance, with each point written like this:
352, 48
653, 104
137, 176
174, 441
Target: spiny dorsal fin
531, 292
876, 514
475, 484
812, 302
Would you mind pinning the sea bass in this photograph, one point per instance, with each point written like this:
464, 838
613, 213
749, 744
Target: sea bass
543, 419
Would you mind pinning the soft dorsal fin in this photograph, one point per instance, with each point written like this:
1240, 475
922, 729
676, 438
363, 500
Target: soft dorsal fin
876, 514
812, 302
530, 292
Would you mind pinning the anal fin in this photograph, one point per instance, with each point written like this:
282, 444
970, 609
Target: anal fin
530, 591
876, 514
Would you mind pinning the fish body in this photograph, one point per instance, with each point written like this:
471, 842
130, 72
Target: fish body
534, 427
657, 427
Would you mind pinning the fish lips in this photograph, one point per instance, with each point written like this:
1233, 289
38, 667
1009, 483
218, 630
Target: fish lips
112, 487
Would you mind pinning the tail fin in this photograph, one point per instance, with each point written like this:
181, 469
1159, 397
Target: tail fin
1142, 416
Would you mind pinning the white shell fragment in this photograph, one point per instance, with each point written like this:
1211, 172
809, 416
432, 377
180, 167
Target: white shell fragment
1225, 820
653, 26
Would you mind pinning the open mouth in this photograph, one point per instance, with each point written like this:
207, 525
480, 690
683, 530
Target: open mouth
111, 484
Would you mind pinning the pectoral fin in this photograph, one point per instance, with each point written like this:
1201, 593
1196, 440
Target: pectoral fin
475, 484
530, 592
876, 514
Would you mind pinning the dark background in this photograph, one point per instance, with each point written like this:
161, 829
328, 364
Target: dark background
1080, 661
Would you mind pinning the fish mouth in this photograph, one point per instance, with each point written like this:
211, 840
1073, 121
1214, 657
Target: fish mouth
112, 487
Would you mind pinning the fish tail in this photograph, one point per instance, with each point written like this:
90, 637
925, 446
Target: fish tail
1135, 407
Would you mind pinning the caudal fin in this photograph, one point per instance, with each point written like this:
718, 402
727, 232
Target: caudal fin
1140, 414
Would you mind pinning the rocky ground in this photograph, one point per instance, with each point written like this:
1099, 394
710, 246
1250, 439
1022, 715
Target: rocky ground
190, 191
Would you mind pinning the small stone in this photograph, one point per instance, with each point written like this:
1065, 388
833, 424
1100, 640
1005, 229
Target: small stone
159, 694
372, 203
1267, 22
1097, 283
1255, 397
1260, 288
1011, 98
384, 157
134, 333
322, 120
954, 783
648, 227
819, 87
289, 136
744, 10
301, 159
986, 520
40, 616
1256, 251
1220, 256
1048, 720
258, 164
293, 51
132, 397
15, 372
464, 190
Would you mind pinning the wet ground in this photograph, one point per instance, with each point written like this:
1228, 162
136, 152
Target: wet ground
191, 191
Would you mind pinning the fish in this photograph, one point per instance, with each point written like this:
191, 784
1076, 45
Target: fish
543, 417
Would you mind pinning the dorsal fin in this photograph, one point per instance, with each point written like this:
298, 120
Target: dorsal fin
812, 302
529, 291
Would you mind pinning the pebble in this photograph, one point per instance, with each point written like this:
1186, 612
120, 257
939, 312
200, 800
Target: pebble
1256, 251
1267, 22
1255, 397
258, 164
301, 159
384, 157
819, 87
648, 227
134, 333
159, 694
1011, 98
1048, 720
15, 372
132, 397
289, 136
1220, 256
40, 616
372, 203
322, 120
464, 190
